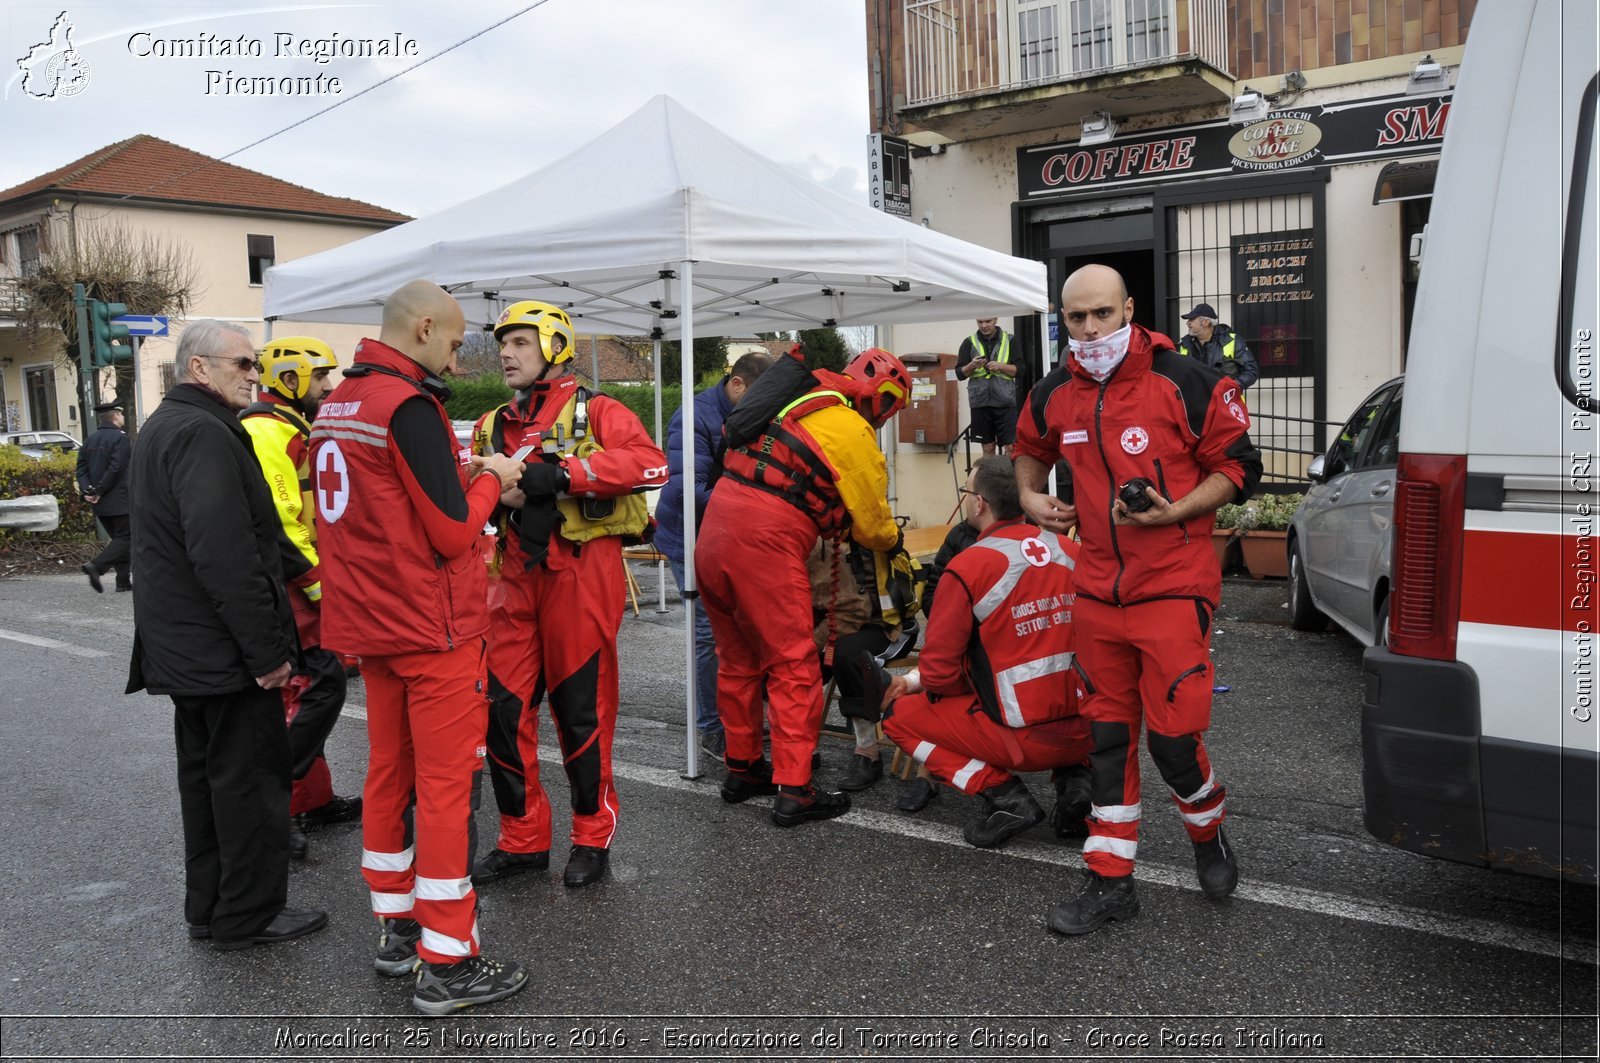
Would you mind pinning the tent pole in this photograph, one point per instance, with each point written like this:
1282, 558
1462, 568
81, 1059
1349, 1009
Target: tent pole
691, 595
655, 374
594, 359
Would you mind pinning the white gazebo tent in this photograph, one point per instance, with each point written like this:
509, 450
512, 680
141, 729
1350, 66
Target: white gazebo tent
667, 228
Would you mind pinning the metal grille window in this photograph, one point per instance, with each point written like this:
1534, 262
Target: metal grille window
27, 252
1149, 29
261, 252
1037, 40
1091, 35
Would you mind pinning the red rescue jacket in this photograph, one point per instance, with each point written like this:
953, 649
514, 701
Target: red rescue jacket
1007, 632
787, 462
1161, 416
387, 588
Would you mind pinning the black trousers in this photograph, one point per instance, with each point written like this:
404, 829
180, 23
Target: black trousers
233, 784
320, 704
115, 554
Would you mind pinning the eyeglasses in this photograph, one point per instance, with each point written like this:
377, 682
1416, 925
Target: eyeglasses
967, 491
241, 363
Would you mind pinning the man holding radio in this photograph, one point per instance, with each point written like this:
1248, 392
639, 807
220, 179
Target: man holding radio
557, 607
1156, 443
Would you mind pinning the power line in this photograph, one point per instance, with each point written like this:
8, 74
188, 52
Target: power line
349, 99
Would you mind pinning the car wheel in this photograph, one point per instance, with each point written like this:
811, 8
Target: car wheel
1303, 612
1380, 626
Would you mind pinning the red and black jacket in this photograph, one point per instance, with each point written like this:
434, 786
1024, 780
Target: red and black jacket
1161, 416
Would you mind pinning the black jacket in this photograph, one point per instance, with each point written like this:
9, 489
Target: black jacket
209, 607
103, 470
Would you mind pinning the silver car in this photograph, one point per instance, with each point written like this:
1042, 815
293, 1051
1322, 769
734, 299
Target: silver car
1341, 538
40, 444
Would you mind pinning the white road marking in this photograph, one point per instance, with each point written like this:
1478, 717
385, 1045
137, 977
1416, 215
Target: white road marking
1397, 916
51, 644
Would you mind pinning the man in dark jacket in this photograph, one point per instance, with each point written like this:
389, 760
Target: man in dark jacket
1217, 345
711, 408
103, 479
213, 630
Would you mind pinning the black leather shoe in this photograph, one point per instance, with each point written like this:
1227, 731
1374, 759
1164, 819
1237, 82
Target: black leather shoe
864, 771
585, 866
1217, 866
1100, 901
497, 863
94, 578
746, 779
287, 925
123, 588
795, 805
298, 845
916, 795
1008, 810
338, 810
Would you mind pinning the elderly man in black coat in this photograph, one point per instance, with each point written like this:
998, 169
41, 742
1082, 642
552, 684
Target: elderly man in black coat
213, 631
103, 479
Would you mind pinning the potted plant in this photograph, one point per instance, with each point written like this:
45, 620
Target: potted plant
1263, 525
1225, 537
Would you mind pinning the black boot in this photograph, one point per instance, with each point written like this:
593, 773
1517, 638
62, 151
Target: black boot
1216, 866
497, 863
1100, 901
1009, 809
916, 795
797, 804
864, 771
747, 779
298, 845
1070, 816
585, 866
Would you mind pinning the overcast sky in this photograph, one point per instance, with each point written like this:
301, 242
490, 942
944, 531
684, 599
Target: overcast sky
787, 77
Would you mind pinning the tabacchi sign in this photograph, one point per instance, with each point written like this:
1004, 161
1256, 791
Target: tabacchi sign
1392, 126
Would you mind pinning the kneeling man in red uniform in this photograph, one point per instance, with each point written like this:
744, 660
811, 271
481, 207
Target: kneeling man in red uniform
994, 692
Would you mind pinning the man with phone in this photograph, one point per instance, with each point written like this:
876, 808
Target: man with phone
984, 362
557, 607
1125, 405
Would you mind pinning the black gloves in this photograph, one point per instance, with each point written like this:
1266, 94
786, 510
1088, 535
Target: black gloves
543, 479
537, 521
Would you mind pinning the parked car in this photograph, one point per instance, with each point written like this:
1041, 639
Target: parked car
1341, 537
40, 444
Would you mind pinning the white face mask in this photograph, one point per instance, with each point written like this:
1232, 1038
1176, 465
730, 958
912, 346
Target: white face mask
1100, 357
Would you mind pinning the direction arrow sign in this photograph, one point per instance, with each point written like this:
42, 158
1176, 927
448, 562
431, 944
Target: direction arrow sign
143, 324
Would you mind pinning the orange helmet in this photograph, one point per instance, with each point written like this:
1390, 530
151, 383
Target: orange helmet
882, 385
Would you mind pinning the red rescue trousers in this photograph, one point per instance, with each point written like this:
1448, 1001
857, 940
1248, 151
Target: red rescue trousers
961, 746
1149, 662
426, 718
555, 630
312, 700
751, 564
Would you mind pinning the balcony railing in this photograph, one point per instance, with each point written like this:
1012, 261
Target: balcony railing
13, 301
959, 48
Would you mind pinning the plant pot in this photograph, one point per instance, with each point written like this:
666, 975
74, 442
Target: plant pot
1266, 554
1225, 541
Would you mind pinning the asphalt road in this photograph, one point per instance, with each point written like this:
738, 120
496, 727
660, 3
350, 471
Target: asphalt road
877, 935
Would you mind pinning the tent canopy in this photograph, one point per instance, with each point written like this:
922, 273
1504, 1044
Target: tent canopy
604, 231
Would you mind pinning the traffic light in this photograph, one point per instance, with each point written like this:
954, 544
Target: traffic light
106, 333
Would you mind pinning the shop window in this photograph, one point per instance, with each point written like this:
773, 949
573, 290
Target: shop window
262, 255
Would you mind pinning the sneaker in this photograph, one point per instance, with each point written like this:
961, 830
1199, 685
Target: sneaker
338, 810
397, 946
1009, 809
747, 779
797, 804
864, 771
1216, 866
497, 863
446, 988
714, 744
1100, 901
1070, 816
916, 795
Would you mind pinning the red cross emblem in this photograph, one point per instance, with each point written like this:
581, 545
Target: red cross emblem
1035, 552
333, 482
1135, 439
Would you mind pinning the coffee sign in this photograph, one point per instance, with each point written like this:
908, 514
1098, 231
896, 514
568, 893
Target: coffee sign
1287, 139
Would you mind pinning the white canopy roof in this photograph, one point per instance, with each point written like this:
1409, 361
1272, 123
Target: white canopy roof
604, 232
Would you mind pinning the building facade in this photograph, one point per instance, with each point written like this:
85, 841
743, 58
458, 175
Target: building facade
1270, 157
148, 199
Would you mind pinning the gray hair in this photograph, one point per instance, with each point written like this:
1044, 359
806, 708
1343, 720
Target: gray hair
205, 338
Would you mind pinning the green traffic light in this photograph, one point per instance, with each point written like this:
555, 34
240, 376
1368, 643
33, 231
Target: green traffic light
106, 334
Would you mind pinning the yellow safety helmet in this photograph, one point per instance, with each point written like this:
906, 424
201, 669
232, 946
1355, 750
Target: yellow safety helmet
298, 355
548, 320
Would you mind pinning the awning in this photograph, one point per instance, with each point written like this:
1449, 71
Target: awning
1406, 179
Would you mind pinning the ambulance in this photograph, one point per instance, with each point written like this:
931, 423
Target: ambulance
1479, 717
